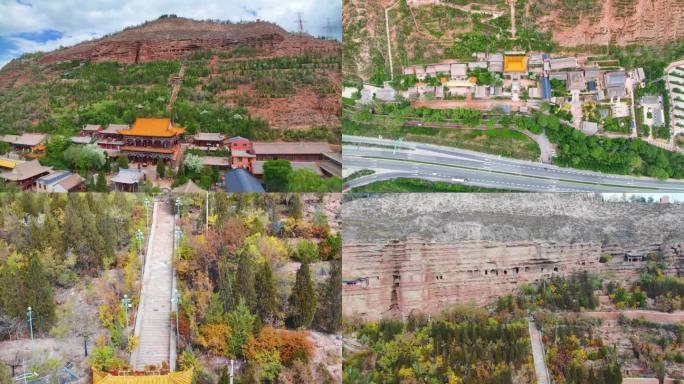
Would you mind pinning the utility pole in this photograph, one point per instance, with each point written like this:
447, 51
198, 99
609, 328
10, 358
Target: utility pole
30, 319
232, 370
300, 23
207, 213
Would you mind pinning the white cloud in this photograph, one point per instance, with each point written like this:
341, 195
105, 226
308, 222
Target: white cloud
79, 20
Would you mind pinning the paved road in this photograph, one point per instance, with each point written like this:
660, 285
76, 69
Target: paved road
437, 163
538, 354
154, 329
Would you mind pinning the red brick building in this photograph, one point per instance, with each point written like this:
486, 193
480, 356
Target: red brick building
241, 154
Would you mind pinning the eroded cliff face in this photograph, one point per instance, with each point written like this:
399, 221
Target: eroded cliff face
422, 252
616, 22
169, 39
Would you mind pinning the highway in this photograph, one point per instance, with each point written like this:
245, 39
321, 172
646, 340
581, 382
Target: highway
454, 165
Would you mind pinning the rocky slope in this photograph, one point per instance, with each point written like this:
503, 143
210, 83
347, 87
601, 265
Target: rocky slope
420, 252
173, 38
616, 22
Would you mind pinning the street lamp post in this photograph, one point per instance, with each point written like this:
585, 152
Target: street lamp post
85, 345
178, 206
147, 204
175, 301
126, 302
30, 319
140, 237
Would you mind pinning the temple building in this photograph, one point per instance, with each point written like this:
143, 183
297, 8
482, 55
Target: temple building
209, 140
24, 175
32, 145
150, 140
301, 151
109, 140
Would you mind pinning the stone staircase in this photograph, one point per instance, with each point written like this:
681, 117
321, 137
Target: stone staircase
153, 325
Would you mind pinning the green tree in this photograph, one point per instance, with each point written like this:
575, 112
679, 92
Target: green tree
306, 180
276, 175
303, 301
306, 251
39, 293
659, 370
5, 148
245, 279
101, 184
330, 311
122, 162
242, 323
160, 168
266, 295
225, 287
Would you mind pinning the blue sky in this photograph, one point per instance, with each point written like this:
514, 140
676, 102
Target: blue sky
43, 25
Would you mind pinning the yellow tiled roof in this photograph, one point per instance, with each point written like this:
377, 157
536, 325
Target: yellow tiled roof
7, 163
515, 63
152, 128
180, 377
148, 149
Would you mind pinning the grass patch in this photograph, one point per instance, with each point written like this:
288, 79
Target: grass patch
505, 142
360, 173
419, 185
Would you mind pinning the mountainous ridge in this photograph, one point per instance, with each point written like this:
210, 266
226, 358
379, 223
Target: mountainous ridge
172, 38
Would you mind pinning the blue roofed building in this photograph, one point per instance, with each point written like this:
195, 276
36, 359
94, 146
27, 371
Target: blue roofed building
591, 86
239, 180
545, 88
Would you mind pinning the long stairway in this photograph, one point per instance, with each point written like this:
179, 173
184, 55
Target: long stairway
153, 326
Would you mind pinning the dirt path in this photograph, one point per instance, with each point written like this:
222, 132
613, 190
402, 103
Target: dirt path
213, 64
652, 316
538, 354
153, 325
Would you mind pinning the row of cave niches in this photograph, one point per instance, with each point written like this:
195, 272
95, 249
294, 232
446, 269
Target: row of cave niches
544, 270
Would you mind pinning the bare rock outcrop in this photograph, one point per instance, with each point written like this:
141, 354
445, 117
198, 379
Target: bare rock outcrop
615, 22
173, 38
422, 252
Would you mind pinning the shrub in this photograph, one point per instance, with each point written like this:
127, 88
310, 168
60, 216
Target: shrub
306, 252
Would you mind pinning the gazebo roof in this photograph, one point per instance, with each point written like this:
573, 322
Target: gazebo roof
189, 187
180, 377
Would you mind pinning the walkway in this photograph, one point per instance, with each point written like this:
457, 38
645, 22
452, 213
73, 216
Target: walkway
177, 81
153, 325
538, 354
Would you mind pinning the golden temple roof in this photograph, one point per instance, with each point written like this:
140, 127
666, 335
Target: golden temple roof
180, 377
152, 128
